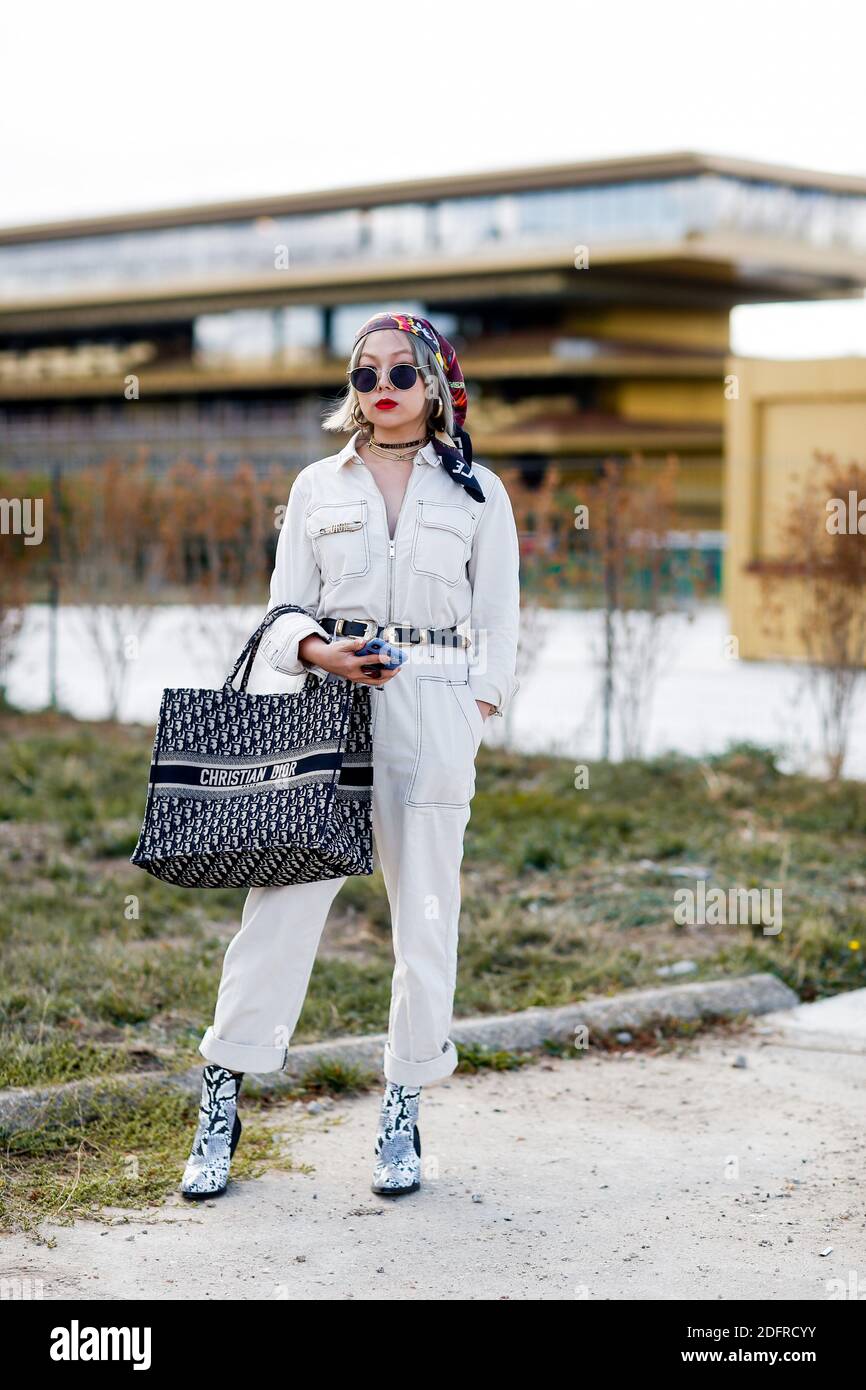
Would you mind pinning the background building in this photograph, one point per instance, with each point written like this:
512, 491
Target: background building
590, 303
783, 417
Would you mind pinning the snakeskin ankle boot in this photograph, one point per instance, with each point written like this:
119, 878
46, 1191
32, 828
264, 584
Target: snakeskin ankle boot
398, 1142
219, 1129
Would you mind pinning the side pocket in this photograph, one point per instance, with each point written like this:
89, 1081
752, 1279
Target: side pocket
463, 691
443, 773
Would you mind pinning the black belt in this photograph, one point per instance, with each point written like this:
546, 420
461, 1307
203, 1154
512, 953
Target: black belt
400, 634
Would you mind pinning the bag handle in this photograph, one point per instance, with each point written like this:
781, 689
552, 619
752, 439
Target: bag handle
252, 644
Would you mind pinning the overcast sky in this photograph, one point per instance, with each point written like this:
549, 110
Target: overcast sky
106, 107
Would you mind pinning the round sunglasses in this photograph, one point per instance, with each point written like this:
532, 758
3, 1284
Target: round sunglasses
402, 376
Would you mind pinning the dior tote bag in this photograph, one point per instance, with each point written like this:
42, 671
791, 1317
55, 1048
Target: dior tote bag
260, 790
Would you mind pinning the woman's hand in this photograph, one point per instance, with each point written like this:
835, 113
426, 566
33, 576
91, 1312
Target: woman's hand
339, 658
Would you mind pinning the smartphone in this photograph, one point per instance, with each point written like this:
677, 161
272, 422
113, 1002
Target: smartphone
396, 657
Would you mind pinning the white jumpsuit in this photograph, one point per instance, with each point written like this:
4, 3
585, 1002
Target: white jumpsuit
453, 561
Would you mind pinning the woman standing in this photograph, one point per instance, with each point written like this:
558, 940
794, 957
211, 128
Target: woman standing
397, 536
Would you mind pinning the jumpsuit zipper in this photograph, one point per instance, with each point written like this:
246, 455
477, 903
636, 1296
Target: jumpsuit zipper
392, 543
391, 550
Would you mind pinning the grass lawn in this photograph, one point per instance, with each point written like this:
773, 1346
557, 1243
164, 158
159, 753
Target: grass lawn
565, 893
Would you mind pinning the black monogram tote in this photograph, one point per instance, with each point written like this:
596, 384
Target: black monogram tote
261, 790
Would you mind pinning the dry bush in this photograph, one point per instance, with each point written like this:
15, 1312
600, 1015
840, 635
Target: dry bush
632, 514
818, 585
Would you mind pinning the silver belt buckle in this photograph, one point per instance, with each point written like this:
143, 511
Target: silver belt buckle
390, 633
370, 627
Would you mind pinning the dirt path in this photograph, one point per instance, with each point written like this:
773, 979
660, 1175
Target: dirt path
670, 1176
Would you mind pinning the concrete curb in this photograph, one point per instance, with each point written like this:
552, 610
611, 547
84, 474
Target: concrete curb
23, 1108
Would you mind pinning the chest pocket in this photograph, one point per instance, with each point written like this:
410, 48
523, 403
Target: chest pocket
340, 538
441, 543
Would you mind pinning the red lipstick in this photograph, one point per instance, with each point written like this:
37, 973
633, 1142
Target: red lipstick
386, 405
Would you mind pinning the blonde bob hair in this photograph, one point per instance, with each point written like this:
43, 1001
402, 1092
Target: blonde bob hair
345, 414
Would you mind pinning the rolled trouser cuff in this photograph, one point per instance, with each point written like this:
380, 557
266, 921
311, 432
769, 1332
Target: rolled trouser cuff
241, 1056
420, 1073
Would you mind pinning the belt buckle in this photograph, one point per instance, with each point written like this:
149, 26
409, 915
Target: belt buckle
392, 630
370, 626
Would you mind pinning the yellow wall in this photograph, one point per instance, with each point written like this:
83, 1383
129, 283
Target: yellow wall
784, 411
695, 329
672, 401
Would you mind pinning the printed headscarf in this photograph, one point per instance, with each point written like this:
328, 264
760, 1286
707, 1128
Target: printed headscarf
456, 461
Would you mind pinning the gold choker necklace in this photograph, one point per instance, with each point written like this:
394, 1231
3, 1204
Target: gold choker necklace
409, 448
406, 445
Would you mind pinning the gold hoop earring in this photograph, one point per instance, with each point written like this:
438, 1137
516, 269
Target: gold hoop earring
358, 416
